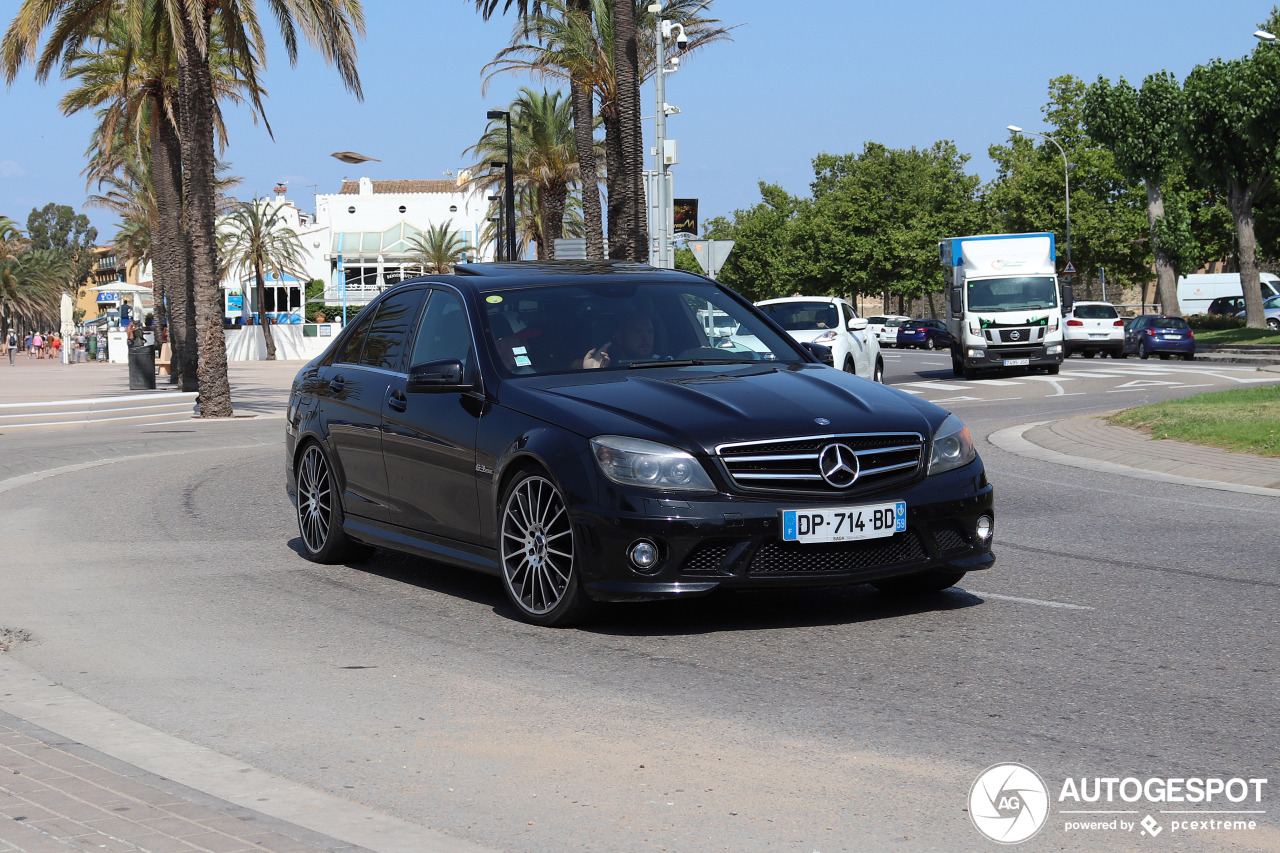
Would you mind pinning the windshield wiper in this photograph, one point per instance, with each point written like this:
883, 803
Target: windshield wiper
689, 362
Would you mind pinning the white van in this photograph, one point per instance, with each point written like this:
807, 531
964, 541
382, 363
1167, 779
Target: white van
1195, 292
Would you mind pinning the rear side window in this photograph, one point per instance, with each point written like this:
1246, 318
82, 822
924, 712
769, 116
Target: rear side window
390, 331
351, 349
1096, 312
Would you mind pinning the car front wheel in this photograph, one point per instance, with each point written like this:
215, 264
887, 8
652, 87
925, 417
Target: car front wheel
539, 571
878, 376
848, 365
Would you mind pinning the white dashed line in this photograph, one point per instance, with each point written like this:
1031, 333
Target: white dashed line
1037, 601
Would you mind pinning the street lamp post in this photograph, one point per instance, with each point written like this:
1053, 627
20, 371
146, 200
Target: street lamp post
510, 186
1066, 179
498, 233
663, 203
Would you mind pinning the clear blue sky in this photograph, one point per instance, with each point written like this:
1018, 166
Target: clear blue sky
798, 79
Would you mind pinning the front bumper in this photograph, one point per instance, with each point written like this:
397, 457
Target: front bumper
728, 542
994, 357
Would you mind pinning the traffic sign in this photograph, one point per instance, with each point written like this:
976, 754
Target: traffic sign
711, 254
1071, 268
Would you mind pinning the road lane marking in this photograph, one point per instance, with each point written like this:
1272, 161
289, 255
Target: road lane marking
995, 382
1036, 601
937, 386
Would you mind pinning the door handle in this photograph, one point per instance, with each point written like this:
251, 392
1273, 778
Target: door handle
398, 401
337, 384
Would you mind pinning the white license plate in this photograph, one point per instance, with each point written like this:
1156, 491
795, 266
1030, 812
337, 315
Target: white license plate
1097, 334
844, 523
1173, 337
1017, 362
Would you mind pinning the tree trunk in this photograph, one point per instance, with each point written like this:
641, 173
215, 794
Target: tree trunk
553, 200
626, 63
1240, 201
198, 160
1166, 277
615, 186
169, 254
584, 136
260, 286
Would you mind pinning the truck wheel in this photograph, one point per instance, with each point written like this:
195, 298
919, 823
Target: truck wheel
970, 373
1052, 370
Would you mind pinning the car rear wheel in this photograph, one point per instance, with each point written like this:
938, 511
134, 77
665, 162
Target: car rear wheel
921, 583
1142, 350
848, 365
928, 343
539, 570
320, 515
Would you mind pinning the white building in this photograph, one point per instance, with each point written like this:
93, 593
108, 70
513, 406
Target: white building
357, 241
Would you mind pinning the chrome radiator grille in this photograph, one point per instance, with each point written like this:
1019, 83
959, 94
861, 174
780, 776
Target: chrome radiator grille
797, 464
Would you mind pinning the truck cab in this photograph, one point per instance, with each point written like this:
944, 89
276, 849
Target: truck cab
1004, 308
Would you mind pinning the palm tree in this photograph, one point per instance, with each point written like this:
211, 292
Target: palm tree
255, 237
438, 248
544, 156
31, 282
564, 44
330, 26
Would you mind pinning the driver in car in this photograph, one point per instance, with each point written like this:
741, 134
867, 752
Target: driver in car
632, 341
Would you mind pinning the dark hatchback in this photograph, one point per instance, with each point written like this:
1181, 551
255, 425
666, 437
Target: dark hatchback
1160, 335
925, 334
455, 420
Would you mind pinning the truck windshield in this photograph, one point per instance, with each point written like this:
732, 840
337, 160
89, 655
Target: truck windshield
1012, 294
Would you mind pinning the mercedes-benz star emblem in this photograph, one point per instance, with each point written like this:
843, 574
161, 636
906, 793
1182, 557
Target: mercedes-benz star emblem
1015, 335
839, 465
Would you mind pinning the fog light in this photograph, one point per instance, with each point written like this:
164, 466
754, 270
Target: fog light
644, 554
977, 353
983, 529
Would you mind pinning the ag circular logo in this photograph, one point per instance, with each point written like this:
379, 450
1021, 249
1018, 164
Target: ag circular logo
1009, 803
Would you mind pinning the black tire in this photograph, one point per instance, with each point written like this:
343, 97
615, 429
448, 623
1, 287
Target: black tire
1273, 324
1089, 353
319, 510
540, 572
1052, 370
1142, 351
848, 365
970, 373
1189, 356
1164, 356
929, 343
922, 583
878, 374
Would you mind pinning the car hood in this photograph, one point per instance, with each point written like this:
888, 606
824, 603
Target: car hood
698, 408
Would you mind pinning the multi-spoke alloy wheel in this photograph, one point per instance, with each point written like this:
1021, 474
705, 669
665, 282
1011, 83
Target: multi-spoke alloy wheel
320, 511
538, 568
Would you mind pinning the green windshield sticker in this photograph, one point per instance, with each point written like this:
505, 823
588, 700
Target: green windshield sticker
495, 299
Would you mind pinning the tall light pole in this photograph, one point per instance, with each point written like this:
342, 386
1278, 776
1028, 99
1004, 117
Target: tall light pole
1066, 179
498, 232
510, 186
663, 204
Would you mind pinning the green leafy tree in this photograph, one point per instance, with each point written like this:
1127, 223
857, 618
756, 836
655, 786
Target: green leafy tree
58, 228
254, 238
763, 263
1141, 129
438, 248
1108, 215
31, 280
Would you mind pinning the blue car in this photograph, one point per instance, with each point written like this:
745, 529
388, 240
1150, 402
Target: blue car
1161, 335
925, 334
1271, 309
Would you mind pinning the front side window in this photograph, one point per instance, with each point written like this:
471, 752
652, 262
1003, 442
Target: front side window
444, 332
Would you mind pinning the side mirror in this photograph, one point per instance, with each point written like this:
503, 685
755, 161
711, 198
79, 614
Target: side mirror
957, 302
1068, 298
437, 377
857, 324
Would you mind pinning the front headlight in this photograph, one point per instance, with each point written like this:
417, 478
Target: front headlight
825, 338
952, 447
636, 462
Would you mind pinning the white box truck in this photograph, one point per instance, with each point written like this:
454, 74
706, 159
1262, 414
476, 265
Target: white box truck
1196, 292
1004, 310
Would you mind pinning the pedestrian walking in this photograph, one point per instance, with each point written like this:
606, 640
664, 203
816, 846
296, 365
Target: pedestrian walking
56, 354
37, 345
26, 345
11, 344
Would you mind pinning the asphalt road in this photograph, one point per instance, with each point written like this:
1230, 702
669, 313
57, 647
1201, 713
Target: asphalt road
1127, 629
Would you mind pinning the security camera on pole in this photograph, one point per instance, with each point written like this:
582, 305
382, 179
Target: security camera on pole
664, 150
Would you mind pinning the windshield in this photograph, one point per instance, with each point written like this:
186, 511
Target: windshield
803, 316
1012, 294
563, 328
1169, 323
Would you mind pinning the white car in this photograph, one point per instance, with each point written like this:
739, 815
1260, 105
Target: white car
1091, 328
885, 328
833, 323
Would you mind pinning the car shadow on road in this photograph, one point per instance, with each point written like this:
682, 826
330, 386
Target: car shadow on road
721, 611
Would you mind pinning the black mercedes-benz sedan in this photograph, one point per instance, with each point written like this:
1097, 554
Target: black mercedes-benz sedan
573, 429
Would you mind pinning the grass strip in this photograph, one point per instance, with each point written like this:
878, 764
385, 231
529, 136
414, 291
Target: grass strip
1246, 420
1226, 337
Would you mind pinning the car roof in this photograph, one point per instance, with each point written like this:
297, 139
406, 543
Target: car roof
782, 299
1087, 302
483, 278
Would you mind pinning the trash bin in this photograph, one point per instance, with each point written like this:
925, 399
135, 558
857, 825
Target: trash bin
142, 368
